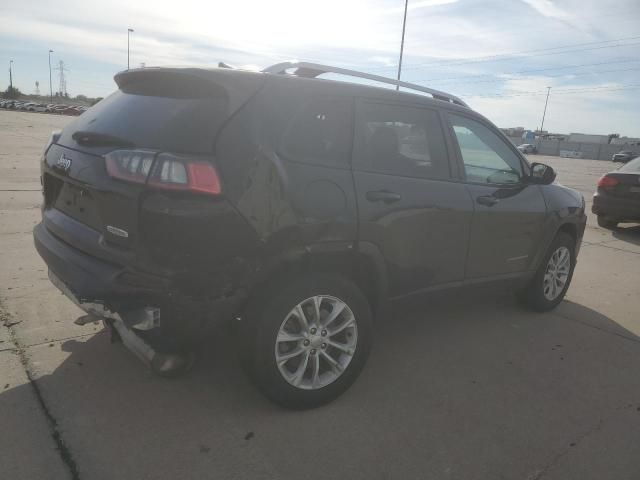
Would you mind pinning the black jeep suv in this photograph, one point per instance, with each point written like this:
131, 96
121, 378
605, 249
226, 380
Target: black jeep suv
297, 206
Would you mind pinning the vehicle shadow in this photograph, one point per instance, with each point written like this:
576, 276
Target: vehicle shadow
629, 234
462, 385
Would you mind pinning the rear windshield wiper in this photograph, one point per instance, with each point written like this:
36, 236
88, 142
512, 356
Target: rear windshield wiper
96, 139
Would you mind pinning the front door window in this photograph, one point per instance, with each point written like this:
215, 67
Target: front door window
486, 157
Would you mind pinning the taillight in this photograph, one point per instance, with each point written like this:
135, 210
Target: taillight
173, 172
164, 171
129, 165
53, 138
607, 182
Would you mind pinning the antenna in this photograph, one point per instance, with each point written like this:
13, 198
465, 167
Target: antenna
62, 89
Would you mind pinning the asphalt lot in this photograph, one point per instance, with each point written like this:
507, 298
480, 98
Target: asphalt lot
462, 386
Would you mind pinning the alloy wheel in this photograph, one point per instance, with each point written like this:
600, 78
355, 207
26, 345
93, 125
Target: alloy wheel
557, 273
316, 342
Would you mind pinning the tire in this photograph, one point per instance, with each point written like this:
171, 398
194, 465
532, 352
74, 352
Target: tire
274, 313
534, 296
606, 222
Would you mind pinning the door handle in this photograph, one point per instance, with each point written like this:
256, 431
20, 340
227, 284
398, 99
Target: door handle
487, 200
383, 196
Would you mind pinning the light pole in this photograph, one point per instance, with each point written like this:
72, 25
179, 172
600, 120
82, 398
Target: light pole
404, 24
10, 75
50, 84
545, 109
129, 32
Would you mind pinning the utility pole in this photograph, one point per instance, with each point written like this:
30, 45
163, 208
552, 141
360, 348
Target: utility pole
545, 109
129, 32
50, 84
10, 75
404, 24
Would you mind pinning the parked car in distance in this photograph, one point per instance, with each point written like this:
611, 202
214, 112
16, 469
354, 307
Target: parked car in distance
527, 148
617, 198
36, 107
318, 203
624, 156
69, 110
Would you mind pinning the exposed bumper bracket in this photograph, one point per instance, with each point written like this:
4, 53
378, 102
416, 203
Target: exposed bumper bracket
167, 365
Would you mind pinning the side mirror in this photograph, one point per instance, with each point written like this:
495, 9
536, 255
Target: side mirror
542, 174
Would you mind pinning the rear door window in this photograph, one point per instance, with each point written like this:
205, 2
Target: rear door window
400, 140
319, 132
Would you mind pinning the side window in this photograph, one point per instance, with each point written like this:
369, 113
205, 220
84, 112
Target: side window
320, 132
401, 140
486, 157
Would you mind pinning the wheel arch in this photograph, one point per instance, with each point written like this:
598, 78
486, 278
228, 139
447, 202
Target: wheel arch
569, 228
363, 265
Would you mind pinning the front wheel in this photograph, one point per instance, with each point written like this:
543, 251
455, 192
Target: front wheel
551, 281
311, 337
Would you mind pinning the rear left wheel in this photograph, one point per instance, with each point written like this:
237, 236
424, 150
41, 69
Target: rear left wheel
311, 338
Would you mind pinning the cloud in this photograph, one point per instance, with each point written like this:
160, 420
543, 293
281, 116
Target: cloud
412, 5
548, 9
429, 3
572, 108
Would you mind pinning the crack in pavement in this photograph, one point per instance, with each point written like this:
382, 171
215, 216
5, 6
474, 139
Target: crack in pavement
21, 190
540, 473
604, 244
63, 449
53, 340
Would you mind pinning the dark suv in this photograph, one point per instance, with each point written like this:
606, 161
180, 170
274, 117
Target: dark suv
298, 207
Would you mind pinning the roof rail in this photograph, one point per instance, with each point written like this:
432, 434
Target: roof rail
312, 70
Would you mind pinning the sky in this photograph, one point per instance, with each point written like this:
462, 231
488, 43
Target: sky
499, 56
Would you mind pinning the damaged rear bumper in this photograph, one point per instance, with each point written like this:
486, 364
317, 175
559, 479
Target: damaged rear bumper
97, 311
101, 289
91, 278
125, 325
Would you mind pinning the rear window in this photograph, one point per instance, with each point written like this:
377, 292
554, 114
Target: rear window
165, 112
